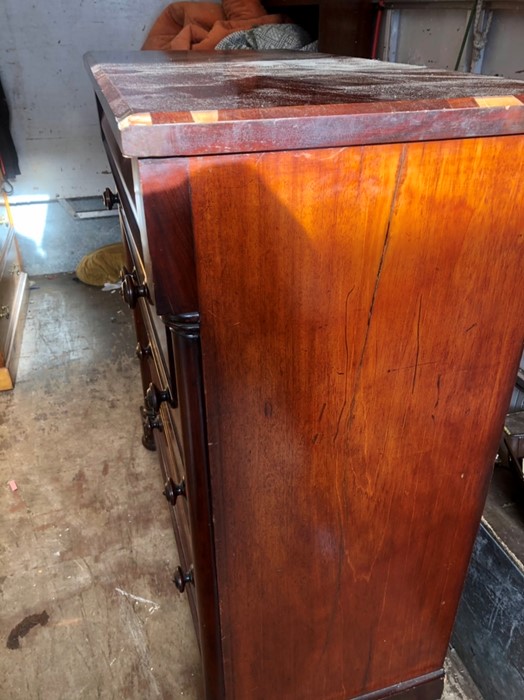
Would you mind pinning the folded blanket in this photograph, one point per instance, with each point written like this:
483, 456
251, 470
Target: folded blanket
271, 36
102, 265
201, 25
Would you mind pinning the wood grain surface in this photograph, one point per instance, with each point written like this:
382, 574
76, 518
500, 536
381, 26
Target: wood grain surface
360, 313
177, 104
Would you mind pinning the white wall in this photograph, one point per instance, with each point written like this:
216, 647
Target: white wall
54, 123
429, 37
53, 116
433, 37
505, 48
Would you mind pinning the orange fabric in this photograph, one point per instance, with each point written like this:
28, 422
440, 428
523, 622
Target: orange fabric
201, 25
243, 9
179, 15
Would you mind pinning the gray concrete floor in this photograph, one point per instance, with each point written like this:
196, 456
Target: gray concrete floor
88, 609
86, 541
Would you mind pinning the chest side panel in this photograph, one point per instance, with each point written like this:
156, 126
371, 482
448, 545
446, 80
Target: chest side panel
360, 335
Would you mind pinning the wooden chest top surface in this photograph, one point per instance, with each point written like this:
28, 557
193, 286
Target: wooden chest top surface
180, 103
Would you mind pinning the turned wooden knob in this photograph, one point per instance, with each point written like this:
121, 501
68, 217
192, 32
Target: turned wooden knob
172, 491
150, 422
154, 397
131, 290
143, 352
181, 579
110, 198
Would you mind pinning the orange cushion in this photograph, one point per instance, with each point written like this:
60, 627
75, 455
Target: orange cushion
243, 9
176, 17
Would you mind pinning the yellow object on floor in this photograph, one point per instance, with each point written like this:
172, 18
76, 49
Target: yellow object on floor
102, 265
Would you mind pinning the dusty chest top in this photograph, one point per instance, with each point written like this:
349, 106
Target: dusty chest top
178, 104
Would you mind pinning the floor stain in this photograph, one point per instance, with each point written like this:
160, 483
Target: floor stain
22, 628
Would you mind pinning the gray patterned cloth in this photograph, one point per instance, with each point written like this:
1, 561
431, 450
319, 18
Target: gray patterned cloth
269, 36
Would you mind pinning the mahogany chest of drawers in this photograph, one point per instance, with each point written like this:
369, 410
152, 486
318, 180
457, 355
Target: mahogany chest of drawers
324, 263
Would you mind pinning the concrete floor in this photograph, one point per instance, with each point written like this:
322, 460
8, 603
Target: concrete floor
86, 542
86, 546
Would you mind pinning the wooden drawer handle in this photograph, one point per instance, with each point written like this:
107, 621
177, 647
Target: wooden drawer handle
131, 289
143, 352
110, 198
150, 422
155, 396
181, 579
172, 491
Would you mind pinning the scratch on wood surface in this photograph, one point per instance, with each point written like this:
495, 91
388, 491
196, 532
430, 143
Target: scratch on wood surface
398, 180
417, 351
439, 378
405, 367
346, 368
400, 171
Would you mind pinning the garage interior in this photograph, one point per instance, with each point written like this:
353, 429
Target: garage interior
87, 550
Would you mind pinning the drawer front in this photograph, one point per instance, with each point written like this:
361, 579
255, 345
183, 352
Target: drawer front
154, 348
175, 492
160, 389
185, 343
173, 411
177, 428
158, 419
175, 486
161, 415
121, 167
130, 203
139, 258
